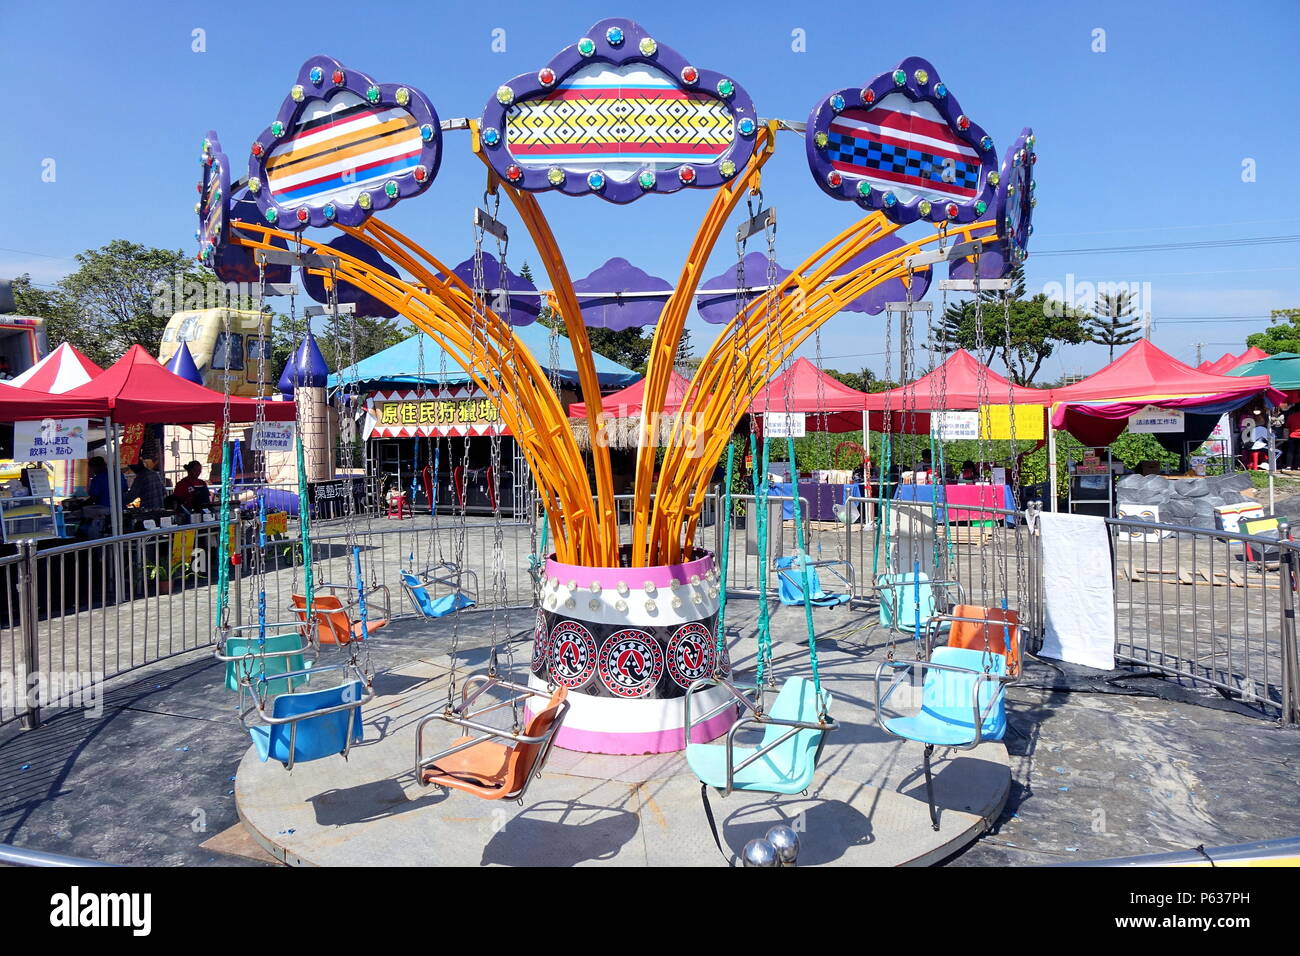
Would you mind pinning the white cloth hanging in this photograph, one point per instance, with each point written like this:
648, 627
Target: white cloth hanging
1078, 590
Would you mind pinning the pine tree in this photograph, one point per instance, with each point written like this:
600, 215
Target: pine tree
1113, 321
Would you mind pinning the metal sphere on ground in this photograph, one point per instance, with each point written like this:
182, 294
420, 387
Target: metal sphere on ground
785, 841
759, 853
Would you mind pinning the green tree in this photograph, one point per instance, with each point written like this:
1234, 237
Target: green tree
1113, 321
120, 294
1021, 332
1281, 337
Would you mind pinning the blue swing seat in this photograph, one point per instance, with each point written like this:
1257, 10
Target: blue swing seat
947, 715
789, 579
255, 666
788, 768
321, 736
905, 600
427, 604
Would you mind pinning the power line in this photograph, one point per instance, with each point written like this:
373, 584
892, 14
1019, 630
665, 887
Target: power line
1173, 246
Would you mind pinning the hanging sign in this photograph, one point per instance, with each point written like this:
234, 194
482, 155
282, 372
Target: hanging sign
450, 411
132, 442
1152, 420
955, 426
218, 439
995, 422
273, 436
51, 439
785, 424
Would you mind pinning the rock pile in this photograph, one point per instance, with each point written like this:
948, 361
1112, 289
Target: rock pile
1186, 501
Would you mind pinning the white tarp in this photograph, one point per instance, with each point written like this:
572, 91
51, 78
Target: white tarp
1078, 590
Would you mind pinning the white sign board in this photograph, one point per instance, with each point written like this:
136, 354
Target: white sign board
53, 439
1222, 429
955, 426
1152, 420
785, 424
273, 436
1148, 513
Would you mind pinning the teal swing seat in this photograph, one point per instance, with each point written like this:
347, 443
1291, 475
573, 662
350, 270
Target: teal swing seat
246, 661
311, 725
793, 737
963, 703
790, 585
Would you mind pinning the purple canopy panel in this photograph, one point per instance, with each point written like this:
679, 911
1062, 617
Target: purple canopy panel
1013, 207
720, 307
385, 145
525, 300
902, 145
218, 208
182, 364
873, 302
615, 296
314, 285
674, 124
306, 368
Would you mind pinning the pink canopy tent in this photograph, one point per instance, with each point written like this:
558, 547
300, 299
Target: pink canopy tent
628, 401
1097, 409
829, 404
960, 383
1226, 363
62, 370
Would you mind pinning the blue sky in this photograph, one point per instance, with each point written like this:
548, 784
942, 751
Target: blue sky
1141, 144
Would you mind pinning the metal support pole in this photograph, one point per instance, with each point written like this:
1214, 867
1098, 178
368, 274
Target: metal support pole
27, 615
1051, 462
1290, 655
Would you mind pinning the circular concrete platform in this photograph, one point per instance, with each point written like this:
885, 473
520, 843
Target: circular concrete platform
866, 806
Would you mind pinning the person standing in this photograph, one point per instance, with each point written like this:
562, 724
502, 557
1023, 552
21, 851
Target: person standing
1292, 459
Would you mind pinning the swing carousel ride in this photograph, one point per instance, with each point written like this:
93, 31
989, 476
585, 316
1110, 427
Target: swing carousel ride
628, 655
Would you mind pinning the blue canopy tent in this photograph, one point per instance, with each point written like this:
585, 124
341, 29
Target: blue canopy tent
400, 364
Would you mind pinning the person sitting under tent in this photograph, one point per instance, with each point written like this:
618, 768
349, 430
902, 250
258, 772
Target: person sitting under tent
147, 490
192, 491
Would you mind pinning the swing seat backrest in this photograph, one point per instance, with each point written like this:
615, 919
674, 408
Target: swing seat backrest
316, 737
255, 666
493, 770
948, 696
419, 592
333, 626
790, 583
996, 637
905, 600
795, 758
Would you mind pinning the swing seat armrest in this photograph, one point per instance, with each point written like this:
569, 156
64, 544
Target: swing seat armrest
264, 715
755, 723
735, 688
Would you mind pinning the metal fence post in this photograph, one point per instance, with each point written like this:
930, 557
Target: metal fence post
1290, 666
27, 615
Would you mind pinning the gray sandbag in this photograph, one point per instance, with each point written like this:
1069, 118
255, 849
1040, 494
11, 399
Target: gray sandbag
1131, 481
1237, 481
1191, 487
1177, 508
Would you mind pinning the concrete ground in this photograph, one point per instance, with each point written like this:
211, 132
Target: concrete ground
150, 780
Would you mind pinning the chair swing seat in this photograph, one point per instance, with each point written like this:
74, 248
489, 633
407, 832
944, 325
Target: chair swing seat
789, 579
906, 600
492, 769
314, 737
947, 715
968, 629
426, 604
275, 657
333, 625
788, 767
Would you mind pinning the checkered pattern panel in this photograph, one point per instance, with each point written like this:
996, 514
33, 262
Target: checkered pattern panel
871, 156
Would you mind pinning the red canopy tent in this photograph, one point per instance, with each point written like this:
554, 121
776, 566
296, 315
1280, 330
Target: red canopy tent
1226, 363
1096, 409
954, 386
628, 401
19, 404
138, 389
829, 404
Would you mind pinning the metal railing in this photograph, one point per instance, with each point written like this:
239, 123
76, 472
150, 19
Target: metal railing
1190, 604
1209, 608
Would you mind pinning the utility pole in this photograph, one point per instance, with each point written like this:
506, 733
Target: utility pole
1199, 346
